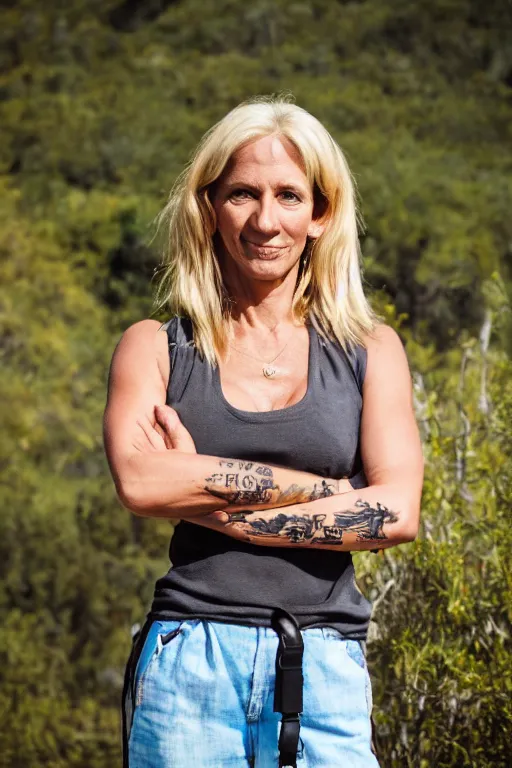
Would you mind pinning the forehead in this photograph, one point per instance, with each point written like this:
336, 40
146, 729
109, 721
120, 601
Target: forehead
270, 155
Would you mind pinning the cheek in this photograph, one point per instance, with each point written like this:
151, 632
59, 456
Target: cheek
229, 223
298, 226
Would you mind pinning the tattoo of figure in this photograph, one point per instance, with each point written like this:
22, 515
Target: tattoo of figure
298, 528
322, 491
367, 521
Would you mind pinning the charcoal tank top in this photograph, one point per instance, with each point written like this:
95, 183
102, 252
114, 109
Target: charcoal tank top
218, 578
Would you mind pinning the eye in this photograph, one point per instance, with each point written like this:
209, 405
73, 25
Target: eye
240, 194
290, 197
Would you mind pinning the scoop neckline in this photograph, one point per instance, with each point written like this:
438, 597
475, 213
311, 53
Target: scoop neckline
279, 413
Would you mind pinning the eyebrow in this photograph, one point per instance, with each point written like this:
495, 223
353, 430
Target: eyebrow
254, 188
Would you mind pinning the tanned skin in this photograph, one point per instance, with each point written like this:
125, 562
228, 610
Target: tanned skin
265, 211
339, 525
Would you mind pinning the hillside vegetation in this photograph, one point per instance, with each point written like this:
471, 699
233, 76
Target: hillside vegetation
101, 104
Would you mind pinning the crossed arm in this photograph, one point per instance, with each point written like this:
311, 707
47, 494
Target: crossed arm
158, 473
344, 522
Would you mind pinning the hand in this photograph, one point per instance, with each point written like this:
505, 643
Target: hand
175, 435
178, 438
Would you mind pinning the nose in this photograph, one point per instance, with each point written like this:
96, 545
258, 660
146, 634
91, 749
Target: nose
265, 218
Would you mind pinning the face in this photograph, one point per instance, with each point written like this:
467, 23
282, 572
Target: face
265, 210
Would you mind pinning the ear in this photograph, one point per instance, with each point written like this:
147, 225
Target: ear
316, 228
320, 216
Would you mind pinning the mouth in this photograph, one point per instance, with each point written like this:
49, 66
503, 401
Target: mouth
264, 251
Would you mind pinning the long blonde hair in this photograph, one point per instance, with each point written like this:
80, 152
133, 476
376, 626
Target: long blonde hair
329, 290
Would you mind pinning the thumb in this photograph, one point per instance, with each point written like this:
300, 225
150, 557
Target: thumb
180, 437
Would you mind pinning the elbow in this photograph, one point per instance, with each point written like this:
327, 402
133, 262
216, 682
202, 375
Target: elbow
128, 485
408, 534
133, 493
409, 527
134, 496
135, 487
131, 499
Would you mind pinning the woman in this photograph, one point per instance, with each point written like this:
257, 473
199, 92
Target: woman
245, 416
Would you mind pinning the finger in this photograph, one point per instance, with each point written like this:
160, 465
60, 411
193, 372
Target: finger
166, 416
168, 422
180, 437
218, 517
163, 434
244, 509
152, 438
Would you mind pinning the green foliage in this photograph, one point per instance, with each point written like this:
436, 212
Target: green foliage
415, 93
101, 104
440, 636
73, 576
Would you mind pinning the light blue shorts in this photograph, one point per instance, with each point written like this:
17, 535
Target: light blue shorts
204, 694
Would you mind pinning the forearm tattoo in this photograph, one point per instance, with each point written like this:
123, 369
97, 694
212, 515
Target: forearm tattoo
242, 482
246, 482
367, 521
297, 494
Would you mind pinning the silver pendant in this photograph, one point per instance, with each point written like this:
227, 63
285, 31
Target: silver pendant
269, 371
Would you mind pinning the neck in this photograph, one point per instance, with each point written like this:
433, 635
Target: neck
261, 305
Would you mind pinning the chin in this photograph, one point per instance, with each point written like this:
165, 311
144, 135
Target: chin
270, 268
268, 272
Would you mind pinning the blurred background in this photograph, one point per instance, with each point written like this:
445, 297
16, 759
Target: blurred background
101, 104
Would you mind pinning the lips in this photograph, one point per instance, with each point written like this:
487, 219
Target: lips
270, 250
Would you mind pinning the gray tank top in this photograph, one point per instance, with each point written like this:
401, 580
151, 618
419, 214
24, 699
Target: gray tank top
218, 578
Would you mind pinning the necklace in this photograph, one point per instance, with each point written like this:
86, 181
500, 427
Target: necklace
268, 370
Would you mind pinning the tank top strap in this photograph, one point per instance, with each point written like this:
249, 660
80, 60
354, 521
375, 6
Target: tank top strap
353, 360
357, 357
182, 354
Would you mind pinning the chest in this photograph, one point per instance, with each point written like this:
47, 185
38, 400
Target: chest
252, 383
317, 433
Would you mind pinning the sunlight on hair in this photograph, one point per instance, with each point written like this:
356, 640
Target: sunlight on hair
329, 291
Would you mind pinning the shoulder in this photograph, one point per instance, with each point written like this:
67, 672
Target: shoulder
141, 331
387, 367
144, 345
382, 336
384, 346
144, 336
379, 350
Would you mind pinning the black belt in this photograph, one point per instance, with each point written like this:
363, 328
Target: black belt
289, 684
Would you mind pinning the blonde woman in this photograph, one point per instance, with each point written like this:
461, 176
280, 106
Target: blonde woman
254, 416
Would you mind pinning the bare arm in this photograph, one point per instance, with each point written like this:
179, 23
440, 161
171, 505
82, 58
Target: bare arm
152, 480
385, 513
